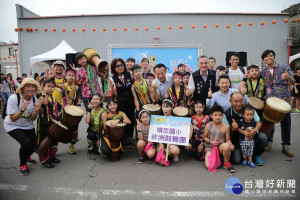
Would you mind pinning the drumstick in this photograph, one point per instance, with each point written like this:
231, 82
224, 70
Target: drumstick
167, 152
210, 84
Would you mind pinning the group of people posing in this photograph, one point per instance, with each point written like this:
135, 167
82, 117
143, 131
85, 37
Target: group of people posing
217, 100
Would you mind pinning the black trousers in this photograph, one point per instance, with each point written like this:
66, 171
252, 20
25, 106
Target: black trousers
27, 140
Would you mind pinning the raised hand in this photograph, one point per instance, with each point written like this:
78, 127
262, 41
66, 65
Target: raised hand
234, 125
285, 75
51, 74
243, 90
210, 93
138, 124
24, 104
111, 84
90, 105
154, 86
73, 67
247, 75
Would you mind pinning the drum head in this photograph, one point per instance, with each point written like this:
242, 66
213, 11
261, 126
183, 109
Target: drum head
278, 105
256, 103
118, 125
59, 124
151, 107
180, 111
74, 110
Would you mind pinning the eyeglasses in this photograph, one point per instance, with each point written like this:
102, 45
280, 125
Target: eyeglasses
120, 65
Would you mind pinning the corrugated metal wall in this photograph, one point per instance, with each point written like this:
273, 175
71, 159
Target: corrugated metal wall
215, 41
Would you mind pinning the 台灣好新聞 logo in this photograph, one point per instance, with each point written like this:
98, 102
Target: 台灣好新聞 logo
233, 185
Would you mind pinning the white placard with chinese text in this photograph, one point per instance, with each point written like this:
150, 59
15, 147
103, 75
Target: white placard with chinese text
169, 130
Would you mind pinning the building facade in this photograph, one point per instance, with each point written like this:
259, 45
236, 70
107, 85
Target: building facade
217, 33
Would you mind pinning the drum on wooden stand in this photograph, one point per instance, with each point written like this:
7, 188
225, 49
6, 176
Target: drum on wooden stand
115, 136
72, 115
180, 111
94, 58
257, 104
55, 130
153, 109
275, 110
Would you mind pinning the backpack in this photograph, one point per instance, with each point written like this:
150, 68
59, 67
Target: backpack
241, 68
19, 99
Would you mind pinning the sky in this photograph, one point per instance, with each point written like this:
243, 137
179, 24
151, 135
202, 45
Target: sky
8, 21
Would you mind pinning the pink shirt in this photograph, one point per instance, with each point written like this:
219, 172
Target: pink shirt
86, 90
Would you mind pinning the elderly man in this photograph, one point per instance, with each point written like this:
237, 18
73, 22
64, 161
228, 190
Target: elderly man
278, 77
231, 117
201, 80
162, 82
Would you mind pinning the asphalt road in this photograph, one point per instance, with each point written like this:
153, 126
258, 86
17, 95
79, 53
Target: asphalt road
84, 176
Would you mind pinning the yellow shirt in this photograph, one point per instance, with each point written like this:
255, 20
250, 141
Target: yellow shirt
57, 91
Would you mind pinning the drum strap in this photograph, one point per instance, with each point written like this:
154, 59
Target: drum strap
70, 98
142, 90
173, 96
113, 149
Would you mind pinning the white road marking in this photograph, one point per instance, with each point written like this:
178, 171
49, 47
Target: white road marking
87, 194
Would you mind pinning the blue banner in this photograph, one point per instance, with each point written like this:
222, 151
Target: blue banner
171, 57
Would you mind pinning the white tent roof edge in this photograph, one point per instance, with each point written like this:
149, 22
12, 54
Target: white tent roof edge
58, 53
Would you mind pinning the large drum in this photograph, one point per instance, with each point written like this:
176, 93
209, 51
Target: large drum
72, 115
276, 109
56, 129
257, 104
180, 111
43, 147
66, 138
153, 109
94, 58
115, 136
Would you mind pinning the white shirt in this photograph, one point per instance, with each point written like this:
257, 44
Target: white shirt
191, 84
236, 77
162, 88
24, 122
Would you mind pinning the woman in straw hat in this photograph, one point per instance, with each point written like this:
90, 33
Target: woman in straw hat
22, 110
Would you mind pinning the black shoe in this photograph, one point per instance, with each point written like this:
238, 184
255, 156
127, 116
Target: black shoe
48, 164
24, 170
30, 161
54, 160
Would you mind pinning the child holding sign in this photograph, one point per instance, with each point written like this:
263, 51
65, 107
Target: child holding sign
143, 145
198, 123
217, 137
167, 107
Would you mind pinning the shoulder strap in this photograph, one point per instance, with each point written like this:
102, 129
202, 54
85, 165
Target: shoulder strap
19, 98
242, 69
227, 70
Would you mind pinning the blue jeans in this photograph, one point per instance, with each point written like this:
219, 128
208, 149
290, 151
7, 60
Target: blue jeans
5, 96
86, 101
260, 142
285, 130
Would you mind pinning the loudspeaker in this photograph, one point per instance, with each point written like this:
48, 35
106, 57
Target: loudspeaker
243, 58
228, 54
70, 59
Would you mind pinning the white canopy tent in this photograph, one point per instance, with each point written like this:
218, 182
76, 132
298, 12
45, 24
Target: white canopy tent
294, 57
58, 53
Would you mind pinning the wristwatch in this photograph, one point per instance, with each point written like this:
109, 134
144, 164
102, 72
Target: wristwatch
22, 111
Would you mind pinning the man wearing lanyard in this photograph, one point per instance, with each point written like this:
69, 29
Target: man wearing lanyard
278, 77
201, 80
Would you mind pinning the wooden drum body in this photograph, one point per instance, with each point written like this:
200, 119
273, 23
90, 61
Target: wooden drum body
153, 109
72, 115
275, 110
115, 136
56, 129
180, 111
94, 58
